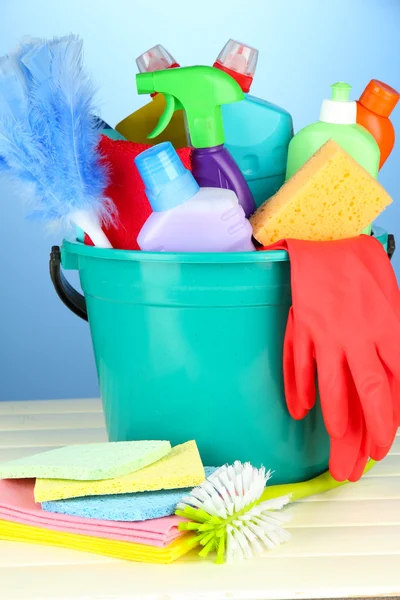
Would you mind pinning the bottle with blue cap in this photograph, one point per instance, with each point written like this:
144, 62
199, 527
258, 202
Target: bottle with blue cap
188, 218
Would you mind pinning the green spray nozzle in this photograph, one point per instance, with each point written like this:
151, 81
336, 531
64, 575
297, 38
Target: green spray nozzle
200, 92
341, 91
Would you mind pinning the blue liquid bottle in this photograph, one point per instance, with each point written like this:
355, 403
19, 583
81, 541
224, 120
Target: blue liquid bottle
257, 133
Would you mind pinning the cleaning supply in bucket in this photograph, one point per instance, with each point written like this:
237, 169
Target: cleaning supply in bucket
156, 59
182, 467
331, 197
17, 505
257, 133
374, 108
122, 507
49, 135
188, 218
345, 322
87, 461
126, 190
136, 126
338, 122
228, 518
201, 91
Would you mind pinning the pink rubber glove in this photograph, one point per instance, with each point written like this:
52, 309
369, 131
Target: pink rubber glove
344, 323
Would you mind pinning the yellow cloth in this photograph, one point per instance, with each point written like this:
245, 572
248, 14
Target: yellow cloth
15, 532
181, 468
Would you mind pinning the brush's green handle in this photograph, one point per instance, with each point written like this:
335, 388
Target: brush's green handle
304, 489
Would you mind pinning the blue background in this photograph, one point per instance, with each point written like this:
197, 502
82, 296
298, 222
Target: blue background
305, 45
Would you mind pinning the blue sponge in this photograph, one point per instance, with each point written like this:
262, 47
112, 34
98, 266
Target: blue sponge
122, 507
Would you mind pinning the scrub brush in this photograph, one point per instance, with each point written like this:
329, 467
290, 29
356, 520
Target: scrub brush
234, 514
49, 137
228, 516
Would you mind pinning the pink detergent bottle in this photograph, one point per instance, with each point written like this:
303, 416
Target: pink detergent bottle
188, 218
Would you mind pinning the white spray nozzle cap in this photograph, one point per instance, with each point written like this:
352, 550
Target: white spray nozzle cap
155, 59
240, 61
339, 110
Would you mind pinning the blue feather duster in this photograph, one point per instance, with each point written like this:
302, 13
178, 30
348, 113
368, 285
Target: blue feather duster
49, 137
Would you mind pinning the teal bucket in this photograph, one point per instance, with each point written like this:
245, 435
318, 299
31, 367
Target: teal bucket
189, 346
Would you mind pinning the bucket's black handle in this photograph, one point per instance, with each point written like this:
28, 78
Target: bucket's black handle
391, 245
71, 298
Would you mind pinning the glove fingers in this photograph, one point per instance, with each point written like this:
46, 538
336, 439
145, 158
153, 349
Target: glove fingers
395, 391
345, 450
363, 455
377, 452
305, 366
396, 405
295, 408
390, 356
334, 390
372, 384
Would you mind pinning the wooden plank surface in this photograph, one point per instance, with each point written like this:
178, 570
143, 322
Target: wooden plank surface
45, 407
261, 579
345, 543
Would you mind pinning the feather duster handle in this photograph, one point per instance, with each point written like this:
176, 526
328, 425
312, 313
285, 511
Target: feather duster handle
229, 517
50, 140
90, 224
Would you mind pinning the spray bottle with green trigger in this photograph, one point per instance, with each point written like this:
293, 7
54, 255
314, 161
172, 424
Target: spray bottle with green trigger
200, 91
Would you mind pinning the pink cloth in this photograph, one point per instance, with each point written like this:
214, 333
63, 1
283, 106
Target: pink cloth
17, 505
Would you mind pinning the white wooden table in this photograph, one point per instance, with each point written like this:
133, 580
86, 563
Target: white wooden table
345, 543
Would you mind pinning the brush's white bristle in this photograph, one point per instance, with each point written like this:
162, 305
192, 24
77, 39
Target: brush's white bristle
226, 494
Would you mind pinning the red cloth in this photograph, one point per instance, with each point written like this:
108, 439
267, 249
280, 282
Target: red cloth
126, 190
344, 324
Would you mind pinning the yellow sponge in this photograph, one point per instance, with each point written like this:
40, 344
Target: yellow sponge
181, 468
330, 198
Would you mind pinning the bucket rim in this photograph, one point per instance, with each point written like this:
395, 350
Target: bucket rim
80, 249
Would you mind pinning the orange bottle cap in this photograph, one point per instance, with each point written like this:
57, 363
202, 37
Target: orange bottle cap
379, 97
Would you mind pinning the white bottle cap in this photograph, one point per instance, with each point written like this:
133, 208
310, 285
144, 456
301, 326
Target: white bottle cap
155, 59
339, 110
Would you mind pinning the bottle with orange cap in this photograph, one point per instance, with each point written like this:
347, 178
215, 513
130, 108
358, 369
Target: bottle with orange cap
257, 133
136, 126
373, 111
